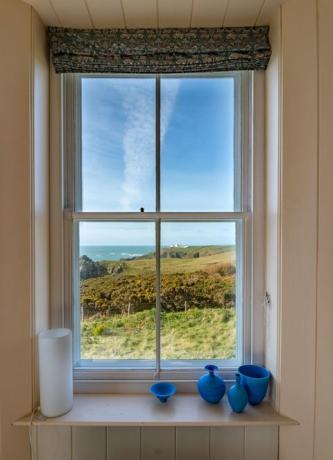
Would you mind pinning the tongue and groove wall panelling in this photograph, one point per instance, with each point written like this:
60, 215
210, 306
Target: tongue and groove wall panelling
242, 13
209, 13
192, 443
154, 13
155, 443
269, 8
141, 13
88, 443
261, 443
106, 13
53, 443
46, 12
158, 443
174, 13
323, 449
123, 443
73, 13
227, 443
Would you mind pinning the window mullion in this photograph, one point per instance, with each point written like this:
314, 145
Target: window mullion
158, 143
158, 297
158, 224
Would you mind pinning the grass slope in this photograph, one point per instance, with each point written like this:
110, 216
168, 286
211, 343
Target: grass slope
206, 333
210, 258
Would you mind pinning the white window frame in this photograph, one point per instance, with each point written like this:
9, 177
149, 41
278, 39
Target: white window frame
65, 164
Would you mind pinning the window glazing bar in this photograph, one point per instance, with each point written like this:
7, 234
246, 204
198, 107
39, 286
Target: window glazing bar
170, 216
158, 142
158, 298
158, 225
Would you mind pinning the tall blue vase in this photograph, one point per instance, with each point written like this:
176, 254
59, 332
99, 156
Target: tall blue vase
237, 396
210, 386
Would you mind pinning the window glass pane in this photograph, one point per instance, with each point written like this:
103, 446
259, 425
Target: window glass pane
118, 144
198, 291
117, 290
197, 144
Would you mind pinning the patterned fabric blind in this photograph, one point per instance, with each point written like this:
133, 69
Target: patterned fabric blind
159, 50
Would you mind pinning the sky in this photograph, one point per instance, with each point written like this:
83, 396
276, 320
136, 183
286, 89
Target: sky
118, 156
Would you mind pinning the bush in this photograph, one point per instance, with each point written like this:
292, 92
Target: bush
126, 294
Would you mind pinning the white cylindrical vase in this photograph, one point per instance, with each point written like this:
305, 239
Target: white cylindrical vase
55, 371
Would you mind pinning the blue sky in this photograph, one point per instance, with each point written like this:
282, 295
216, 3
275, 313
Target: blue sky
118, 155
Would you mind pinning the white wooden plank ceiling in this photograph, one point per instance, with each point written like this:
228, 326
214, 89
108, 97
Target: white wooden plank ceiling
154, 13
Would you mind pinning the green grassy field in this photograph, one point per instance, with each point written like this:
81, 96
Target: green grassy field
197, 298
207, 333
211, 259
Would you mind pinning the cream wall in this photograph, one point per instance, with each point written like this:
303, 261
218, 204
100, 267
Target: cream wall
41, 181
300, 224
323, 443
23, 213
272, 203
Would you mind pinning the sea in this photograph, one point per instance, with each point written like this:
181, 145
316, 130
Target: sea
98, 253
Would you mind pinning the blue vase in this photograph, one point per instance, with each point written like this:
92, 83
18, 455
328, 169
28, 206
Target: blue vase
237, 396
210, 386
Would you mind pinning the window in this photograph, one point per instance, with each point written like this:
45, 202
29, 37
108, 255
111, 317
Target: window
160, 221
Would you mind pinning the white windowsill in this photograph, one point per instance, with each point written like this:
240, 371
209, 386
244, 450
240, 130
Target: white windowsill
145, 410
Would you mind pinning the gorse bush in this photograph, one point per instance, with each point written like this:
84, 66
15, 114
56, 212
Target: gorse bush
132, 293
192, 277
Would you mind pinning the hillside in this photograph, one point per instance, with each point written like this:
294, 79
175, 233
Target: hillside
118, 305
195, 334
178, 260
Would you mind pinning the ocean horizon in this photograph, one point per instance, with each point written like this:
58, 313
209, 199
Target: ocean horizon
98, 253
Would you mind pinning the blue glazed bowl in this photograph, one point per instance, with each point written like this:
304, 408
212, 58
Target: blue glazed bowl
255, 380
163, 391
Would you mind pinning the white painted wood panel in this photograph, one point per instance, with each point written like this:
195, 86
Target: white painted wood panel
299, 226
268, 10
174, 13
73, 13
154, 13
324, 363
123, 443
157, 443
227, 443
208, 13
17, 225
53, 443
141, 13
88, 443
106, 13
46, 12
242, 13
192, 443
272, 209
261, 444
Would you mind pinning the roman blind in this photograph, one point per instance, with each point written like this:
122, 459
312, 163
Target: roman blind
143, 51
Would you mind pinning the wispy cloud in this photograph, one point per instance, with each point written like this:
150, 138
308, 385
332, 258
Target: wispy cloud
138, 144
170, 90
139, 140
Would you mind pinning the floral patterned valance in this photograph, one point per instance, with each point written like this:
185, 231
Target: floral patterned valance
159, 50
